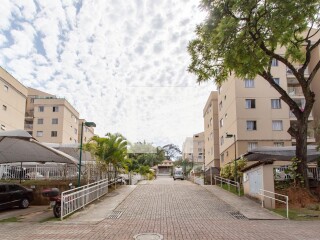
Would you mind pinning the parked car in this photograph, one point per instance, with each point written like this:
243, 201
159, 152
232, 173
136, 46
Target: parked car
178, 174
14, 195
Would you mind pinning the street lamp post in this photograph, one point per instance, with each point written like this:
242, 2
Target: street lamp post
235, 154
87, 124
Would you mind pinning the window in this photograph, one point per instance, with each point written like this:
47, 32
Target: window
41, 108
211, 121
251, 125
40, 120
221, 122
222, 157
278, 144
5, 88
220, 105
249, 83
274, 62
4, 107
55, 109
221, 140
75, 131
39, 133
199, 149
275, 103
277, 80
3, 127
277, 125
54, 133
54, 120
32, 100
250, 103
252, 145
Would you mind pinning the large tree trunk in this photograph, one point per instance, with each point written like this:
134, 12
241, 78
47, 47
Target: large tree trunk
301, 149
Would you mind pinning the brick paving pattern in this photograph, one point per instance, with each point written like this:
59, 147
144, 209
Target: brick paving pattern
174, 209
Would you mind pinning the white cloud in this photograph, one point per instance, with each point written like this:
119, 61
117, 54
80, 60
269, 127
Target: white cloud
121, 63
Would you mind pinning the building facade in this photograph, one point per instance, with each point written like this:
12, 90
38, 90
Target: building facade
211, 131
252, 112
198, 149
87, 134
51, 119
13, 97
187, 149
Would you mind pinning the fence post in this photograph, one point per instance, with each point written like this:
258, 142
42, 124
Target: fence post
239, 188
229, 185
287, 200
62, 206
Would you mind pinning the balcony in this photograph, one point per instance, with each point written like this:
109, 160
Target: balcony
29, 114
310, 137
28, 126
295, 91
293, 117
289, 72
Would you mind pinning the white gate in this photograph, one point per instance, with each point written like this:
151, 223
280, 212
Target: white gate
255, 181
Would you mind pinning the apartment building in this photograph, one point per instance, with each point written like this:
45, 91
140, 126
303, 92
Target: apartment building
198, 148
88, 132
13, 97
187, 149
211, 131
51, 119
252, 113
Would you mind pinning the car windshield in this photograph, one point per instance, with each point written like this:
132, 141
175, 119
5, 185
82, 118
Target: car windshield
178, 172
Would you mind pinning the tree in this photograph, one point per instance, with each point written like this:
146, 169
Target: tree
171, 151
242, 37
111, 149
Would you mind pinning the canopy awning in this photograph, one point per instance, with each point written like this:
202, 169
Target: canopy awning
19, 146
280, 153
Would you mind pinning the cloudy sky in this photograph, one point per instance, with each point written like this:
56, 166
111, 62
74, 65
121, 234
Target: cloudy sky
121, 63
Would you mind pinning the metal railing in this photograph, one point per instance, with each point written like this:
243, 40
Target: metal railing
77, 198
228, 182
36, 171
263, 195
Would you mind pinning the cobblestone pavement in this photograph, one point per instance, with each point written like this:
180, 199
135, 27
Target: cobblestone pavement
174, 209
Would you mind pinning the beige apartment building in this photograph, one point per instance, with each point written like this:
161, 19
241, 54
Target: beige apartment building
51, 119
253, 115
198, 149
187, 149
13, 97
88, 132
211, 131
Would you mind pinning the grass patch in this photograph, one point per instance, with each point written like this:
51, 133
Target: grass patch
50, 219
12, 219
298, 214
231, 189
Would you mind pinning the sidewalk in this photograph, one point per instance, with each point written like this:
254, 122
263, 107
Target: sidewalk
101, 209
246, 206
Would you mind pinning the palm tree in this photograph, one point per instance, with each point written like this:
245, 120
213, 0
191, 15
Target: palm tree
110, 150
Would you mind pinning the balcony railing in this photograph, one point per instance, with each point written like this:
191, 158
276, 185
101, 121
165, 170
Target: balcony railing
289, 72
291, 115
28, 126
29, 113
295, 91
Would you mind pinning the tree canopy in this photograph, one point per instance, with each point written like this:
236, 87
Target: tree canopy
244, 37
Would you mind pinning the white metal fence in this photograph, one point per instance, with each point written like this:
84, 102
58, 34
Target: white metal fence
74, 199
50, 171
228, 182
272, 195
281, 175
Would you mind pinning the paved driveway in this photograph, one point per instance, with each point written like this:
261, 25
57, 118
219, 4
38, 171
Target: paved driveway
174, 209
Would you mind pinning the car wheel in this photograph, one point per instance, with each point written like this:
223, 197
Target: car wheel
174, 179
24, 203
